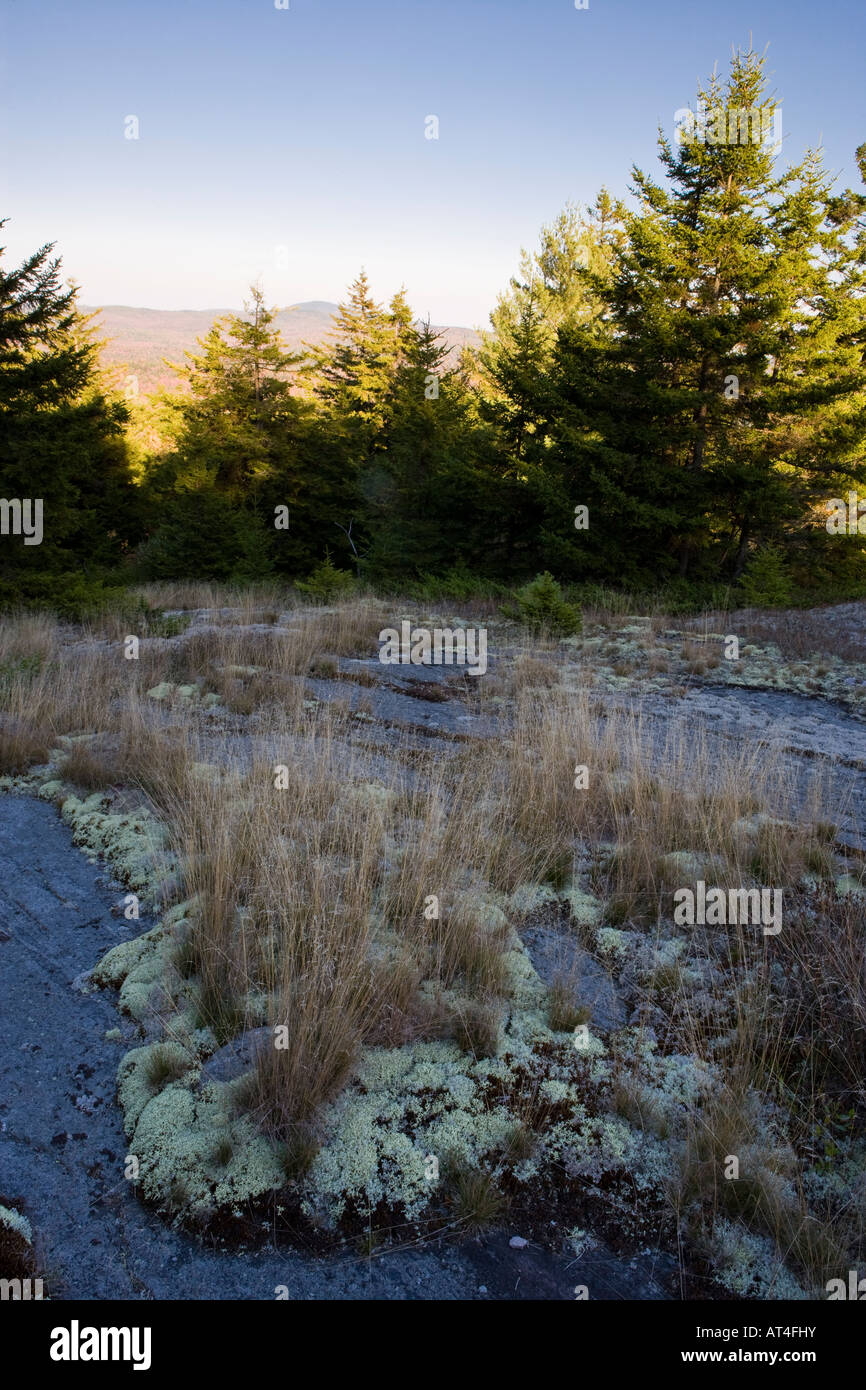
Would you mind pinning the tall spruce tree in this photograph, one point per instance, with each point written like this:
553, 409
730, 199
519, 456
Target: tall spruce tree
238, 410
61, 428
237, 427
713, 397
354, 378
426, 501
351, 373
555, 288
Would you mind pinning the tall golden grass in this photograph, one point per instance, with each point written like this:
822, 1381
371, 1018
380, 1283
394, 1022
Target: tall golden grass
314, 897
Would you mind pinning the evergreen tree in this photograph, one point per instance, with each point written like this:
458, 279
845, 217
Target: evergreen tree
360, 379
425, 498
351, 374
239, 410
702, 410
237, 428
556, 287
61, 427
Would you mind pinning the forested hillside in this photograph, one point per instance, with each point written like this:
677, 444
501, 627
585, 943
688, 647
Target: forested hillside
670, 394
143, 343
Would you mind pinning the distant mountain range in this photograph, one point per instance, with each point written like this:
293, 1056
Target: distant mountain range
138, 340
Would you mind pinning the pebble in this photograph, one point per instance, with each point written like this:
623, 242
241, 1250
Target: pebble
518, 1243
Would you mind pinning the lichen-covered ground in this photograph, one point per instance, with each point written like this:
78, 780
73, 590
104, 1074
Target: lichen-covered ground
62, 1146
566, 1063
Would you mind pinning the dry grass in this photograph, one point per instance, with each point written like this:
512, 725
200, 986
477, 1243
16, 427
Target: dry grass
564, 1010
798, 633
316, 901
478, 1203
250, 603
797, 1043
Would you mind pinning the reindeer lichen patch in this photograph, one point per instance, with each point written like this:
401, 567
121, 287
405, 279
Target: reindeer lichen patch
178, 1139
133, 843
162, 691
613, 945
849, 886
749, 1265
116, 964
50, 790
529, 897
17, 1222
586, 910
144, 1071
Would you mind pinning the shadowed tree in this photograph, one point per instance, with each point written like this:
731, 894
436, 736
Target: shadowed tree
61, 425
726, 384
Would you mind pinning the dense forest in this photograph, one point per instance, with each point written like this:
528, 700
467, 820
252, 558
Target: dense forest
669, 395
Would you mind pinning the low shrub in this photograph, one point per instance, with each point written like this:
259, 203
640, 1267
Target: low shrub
540, 606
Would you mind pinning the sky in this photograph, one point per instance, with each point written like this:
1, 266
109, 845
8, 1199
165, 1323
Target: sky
290, 144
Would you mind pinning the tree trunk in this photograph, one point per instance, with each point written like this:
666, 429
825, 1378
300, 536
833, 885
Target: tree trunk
742, 550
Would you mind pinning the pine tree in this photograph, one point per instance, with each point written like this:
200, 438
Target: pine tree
351, 374
238, 414
61, 427
556, 287
423, 496
701, 412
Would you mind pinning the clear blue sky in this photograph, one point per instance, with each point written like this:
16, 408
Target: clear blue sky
303, 129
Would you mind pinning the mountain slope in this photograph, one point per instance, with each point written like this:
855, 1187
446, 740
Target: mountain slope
138, 340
